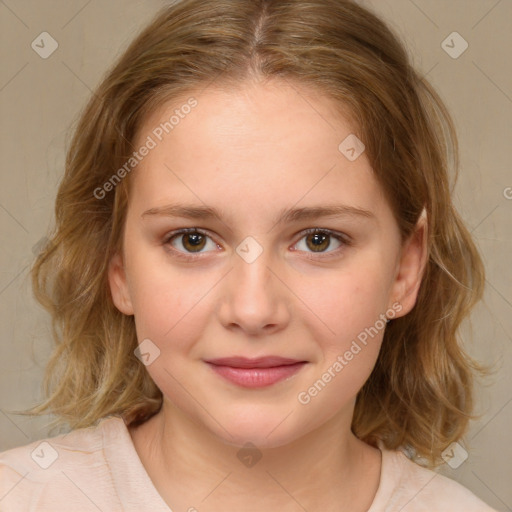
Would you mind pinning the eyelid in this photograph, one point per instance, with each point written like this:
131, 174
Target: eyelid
343, 238
183, 231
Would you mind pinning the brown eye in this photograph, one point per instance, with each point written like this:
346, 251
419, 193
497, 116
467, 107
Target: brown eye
189, 241
318, 242
193, 242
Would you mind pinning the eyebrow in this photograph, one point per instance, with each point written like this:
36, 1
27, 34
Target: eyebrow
285, 216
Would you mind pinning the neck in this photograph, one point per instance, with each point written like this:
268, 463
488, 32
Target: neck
326, 469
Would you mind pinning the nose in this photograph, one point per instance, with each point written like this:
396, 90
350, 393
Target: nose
254, 299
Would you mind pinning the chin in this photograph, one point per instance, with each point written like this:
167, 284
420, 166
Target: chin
263, 432
258, 439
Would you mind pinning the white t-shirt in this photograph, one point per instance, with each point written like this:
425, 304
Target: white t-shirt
98, 469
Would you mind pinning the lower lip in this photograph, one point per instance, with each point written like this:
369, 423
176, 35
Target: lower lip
256, 377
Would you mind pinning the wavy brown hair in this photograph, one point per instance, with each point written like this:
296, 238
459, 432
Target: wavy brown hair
420, 392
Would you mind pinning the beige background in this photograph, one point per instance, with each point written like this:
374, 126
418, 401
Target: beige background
40, 100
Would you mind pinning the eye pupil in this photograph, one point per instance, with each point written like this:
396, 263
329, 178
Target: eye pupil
196, 240
318, 240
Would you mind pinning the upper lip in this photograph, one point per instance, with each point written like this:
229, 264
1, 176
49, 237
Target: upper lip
259, 362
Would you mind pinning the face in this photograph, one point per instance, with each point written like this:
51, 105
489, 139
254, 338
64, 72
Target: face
267, 275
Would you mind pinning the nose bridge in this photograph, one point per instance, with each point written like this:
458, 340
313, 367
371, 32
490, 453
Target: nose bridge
252, 266
253, 298
251, 280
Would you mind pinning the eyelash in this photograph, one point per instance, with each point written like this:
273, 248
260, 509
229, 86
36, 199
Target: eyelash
340, 237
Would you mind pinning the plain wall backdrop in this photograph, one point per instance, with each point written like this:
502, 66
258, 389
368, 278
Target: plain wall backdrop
40, 99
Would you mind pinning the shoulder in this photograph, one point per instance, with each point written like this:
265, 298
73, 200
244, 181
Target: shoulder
409, 487
54, 470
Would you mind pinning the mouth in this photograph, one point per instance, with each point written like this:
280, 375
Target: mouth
255, 373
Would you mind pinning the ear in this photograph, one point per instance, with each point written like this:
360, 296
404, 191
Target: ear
119, 286
411, 267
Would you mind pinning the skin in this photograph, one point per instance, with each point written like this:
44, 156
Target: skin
250, 153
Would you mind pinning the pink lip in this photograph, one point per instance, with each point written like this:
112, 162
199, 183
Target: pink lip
255, 373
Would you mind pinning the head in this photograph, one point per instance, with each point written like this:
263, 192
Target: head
259, 120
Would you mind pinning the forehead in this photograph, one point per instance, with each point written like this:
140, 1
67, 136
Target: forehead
259, 144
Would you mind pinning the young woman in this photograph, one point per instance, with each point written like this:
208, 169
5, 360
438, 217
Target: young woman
256, 276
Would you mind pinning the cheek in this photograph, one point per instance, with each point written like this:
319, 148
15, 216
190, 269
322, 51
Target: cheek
336, 386
168, 303
340, 305
349, 335
347, 325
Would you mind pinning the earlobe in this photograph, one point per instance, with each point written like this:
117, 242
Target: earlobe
119, 286
412, 266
